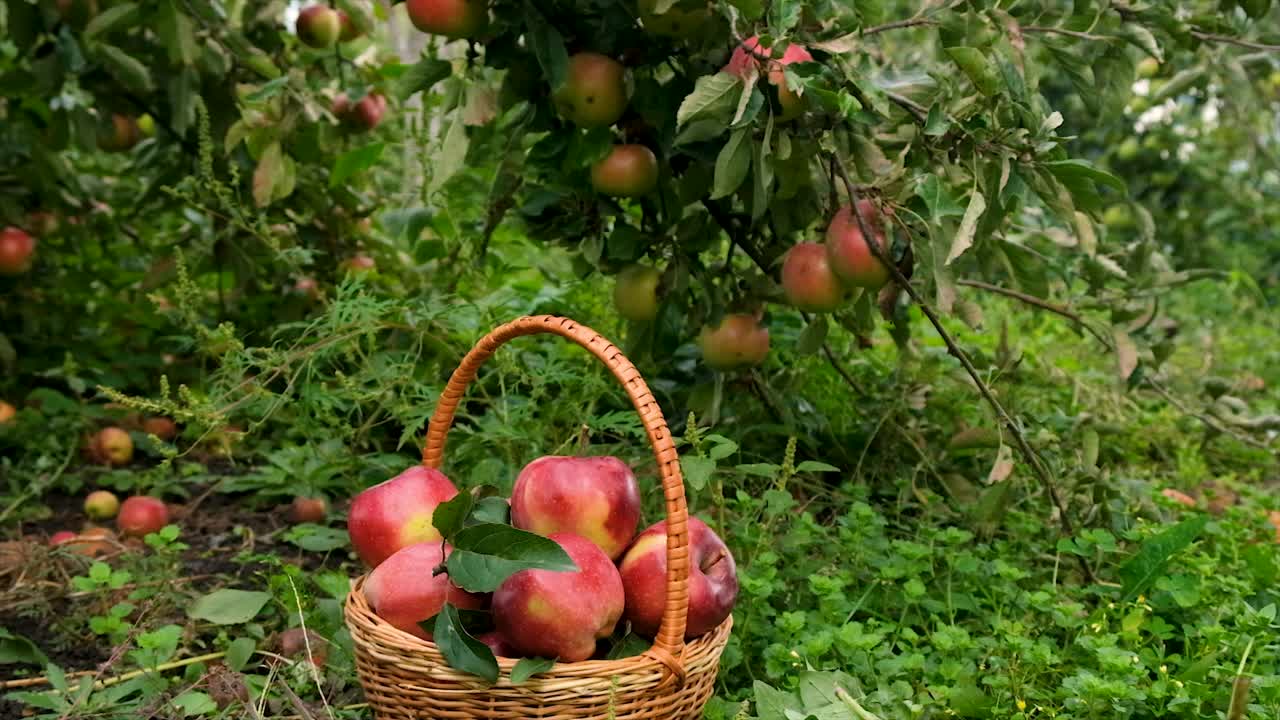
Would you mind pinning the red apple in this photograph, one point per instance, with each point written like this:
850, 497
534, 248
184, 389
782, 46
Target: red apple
451, 18
594, 497
299, 643
545, 613
594, 93
112, 446
93, 542
635, 293
850, 255
349, 30
627, 171
162, 427
308, 510
61, 537
17, 251
101, 505
397, 513
738, 341
319, 26
713, 580
808, 281
364, 115
307, 286
358, 264
751, 54
141, 515
403, 591
498, 644
121, 134
7, 412
1179, 497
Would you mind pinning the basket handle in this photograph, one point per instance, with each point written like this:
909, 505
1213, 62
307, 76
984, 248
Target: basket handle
669, 644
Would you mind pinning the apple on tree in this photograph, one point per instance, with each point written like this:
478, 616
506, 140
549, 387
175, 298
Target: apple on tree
751, 55
627, 171
404, 591
635, 293
737, 341
592, 497
349, 30
17, 251
551, 614
7, 412
850, 254
451, 18
397, 513
366, 114
358, 264
713, 580
142, 515
121, 133
809, 282
594, 93
319, 26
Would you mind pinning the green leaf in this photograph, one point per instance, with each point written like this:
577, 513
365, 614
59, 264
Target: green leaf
184, 92
813, 335
714, 97
1074, 171
629, 646
937, 198
422, 76
118, 16
937, 124
697, 470
449, 516
528, 667
1126, 353
354, 161
486, 555
548, 47
267, 174
491, 510
732, 164
784, 14
228, 607
750, 9
1151, 560
963, 239
17, 649
462, 651
178, 34
131, 73
975, 66
239, 651
193, 703
452, 156
317, 538
815, 466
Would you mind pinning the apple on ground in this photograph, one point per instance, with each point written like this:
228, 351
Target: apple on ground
62, 536
809, 282
142, 515
308, 509
593, 497
635, 293
737, 341
594, 93
627, 171
450, 18
750, 54
162, 427
92, 542
101, 505
545, 613
713, 580
112, 446
299, 643
319, 26
7, 412
17, 251
850, 254
397, 513
404, 592
1179, 497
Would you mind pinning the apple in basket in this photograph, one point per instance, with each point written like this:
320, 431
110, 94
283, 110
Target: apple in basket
594, 497
397, 513
552, 614
404, 592
713, 580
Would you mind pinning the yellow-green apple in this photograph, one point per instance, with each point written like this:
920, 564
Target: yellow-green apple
681, 20
808, 281
848, 251
101, 505
397, 513
112, 446
308, 509
319, 26
162, 427
751, 55
594, 497
551, 614
349, 30
451, 18
147, 125
404, 592
1148, 67
594, 93
7, 412
713, 580
737, 341
627, 171
141, 515
120, 134
17, 251
635, 293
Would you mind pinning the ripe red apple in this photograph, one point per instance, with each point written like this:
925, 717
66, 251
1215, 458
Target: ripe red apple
112, 446
451, 18
682, 20
307, 286
308, 509
120, 135
750, 53
397, 513
713, 580
635, 293
62, 536
738, 341
17, 251
299, 643
808, 281
141, 515
498, 644
627, 171
358, 264
162, 427
93, 542
7, 412
403, 591
545, 613
101, 505
319, 26
594, 93
593, 497
349, 30
849, 253
365, 115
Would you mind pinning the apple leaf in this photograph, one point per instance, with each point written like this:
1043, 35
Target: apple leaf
485, 555
354, 161
462, 651
732, 164
265, 176
963, 239
452, 156
421, 76
229, 607
628, 645
548, 47
714, 96
449, 516
528, 667
491, 510
813, 335
122, 15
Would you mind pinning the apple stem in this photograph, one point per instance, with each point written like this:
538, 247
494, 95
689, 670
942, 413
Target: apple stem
439, 570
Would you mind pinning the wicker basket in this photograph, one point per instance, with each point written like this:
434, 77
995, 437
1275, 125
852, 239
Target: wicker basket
407, 678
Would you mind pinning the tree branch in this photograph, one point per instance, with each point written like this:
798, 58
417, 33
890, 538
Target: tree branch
1063, 31
1040, 303
1227, 39
898, 24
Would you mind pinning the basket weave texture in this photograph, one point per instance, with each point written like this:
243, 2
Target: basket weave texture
407, 678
